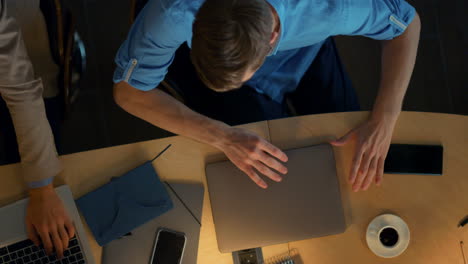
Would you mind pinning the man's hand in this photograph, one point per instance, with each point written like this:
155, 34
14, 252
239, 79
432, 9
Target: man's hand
374, 136
47, 220
247, 151
372, 143
251, 153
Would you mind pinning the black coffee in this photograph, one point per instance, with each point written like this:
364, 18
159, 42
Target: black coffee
389, 237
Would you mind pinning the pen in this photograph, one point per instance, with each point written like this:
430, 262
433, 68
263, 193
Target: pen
463, 252
160, 153
463, 222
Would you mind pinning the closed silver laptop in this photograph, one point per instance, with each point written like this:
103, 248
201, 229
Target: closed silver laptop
306, 204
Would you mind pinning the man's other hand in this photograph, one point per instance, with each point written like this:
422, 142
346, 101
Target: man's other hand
373, 140
252, 154
47, 221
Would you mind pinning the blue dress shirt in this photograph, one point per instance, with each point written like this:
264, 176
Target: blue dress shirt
163, 25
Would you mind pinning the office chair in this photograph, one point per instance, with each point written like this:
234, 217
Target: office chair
67, 49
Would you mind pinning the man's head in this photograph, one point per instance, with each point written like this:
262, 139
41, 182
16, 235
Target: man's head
231, 39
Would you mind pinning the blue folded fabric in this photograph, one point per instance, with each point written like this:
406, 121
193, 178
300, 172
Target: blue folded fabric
125, 203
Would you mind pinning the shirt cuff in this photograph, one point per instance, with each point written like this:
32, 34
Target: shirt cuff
40, 183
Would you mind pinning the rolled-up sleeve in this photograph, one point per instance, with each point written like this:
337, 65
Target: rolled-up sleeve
22, 93
144, 57
377, 19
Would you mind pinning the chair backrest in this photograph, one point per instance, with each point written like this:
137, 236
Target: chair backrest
53, 15
66, 47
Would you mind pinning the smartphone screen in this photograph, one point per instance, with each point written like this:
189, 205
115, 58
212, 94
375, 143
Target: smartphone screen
169, 247
414, 159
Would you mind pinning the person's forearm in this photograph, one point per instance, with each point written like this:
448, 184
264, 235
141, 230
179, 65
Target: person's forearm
398, 58
162, 110
249, 152
22, 93
36, 145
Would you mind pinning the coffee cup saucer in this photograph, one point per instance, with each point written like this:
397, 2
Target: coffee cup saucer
374, 230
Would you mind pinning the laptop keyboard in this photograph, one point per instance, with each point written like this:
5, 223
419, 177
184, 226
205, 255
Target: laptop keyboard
25, 252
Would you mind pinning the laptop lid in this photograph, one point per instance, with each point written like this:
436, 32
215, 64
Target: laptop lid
13, 226
185, 217
306, 204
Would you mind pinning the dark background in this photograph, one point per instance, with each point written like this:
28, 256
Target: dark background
439, 82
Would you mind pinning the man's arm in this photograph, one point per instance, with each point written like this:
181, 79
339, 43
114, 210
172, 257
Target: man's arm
398, 58
46, 217
374, 136
246, 150
142, 62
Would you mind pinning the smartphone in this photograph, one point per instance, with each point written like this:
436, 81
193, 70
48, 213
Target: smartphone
414, 159
169, 247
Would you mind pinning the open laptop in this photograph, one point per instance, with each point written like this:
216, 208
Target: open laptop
185, 217
15, 247
306, 204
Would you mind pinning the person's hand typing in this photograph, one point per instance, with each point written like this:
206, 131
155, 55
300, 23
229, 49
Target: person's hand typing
251, 153
47, 221
373, 139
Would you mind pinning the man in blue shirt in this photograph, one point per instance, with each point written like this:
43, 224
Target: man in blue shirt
272, 49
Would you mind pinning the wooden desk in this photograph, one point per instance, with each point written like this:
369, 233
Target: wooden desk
431, 205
